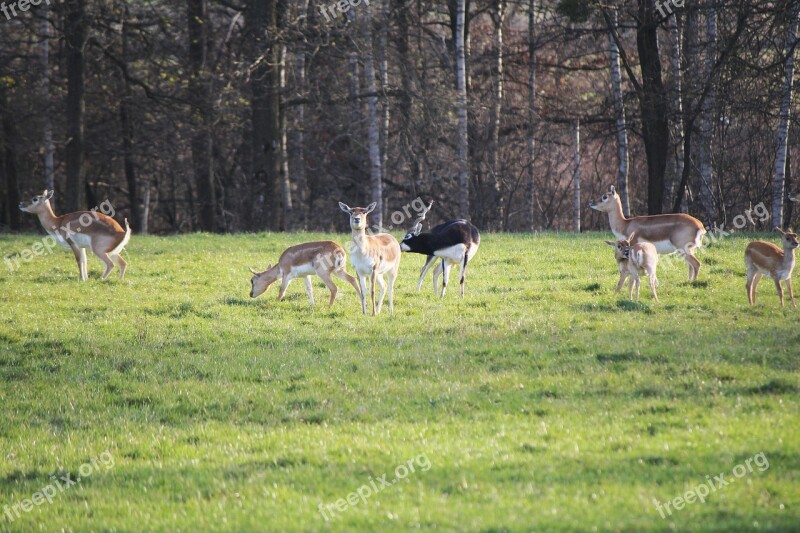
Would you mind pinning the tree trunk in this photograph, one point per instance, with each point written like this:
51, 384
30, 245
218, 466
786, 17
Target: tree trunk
373, 128
286, 182
653, 102
409, 145
676, 162
261, 29
49, 162
75, 35
496, 211
530, 195
383, 53
463, 140
576, 179
622, 131
707, 123
782, 134
298, 141
10, 175
201, 106
139, 225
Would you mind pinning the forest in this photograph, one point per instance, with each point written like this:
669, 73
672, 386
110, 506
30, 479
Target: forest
248, 115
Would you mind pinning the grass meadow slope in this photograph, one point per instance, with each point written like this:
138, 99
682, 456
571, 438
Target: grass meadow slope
541, 401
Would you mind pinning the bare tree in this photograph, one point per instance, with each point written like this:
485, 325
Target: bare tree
707, 122
49, 163
676, 162
782, 133
576, 179
619, 112
373, 128
263, 55
530, 196
496, 200
75, 33
463, 131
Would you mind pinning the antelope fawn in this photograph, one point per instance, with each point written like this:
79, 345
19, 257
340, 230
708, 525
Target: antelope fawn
81, 230
324, 258
765, 259
668, 233
373, 256
632, 260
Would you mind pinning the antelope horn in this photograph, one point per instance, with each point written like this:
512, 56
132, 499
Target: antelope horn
424, 213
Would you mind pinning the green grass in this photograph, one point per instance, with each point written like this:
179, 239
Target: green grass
542, 401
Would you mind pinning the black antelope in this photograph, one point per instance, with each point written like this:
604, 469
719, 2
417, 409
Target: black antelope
455, 242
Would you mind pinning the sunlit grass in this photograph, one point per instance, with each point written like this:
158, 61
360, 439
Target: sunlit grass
542, 400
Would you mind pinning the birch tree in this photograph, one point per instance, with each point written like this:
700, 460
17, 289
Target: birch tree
461, 111
782, 134
496, 201
530, 194
373, 128
619, 112
49, 163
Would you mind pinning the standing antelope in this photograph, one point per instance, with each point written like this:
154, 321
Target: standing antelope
304, 260
632, 260
372, 256
455, 242
81, 230
765, 259
668, 233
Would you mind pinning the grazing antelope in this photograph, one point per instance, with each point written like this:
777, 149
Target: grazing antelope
766, 259
322, 258
455, 242
668, 233
632, 260
81, 230
373, 256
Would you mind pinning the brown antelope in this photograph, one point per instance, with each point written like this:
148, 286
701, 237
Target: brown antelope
765, 259
324, 258
668, 233
81, 230
632, 260
373, 256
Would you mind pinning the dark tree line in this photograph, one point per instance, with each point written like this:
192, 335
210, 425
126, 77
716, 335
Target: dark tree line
246, 115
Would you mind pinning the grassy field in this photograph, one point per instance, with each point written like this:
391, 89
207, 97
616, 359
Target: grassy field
541, 401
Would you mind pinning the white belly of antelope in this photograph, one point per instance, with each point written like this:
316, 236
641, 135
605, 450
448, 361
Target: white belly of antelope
454, 254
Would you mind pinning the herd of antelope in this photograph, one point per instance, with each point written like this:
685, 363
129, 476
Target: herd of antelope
376, 257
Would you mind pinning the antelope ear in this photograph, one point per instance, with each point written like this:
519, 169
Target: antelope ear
252, 270
345, 208
48, 194
631, 237
417, 229
611, 243
370, 208
613, 191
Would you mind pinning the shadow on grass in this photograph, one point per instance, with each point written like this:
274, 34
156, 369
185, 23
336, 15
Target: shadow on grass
630, 305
